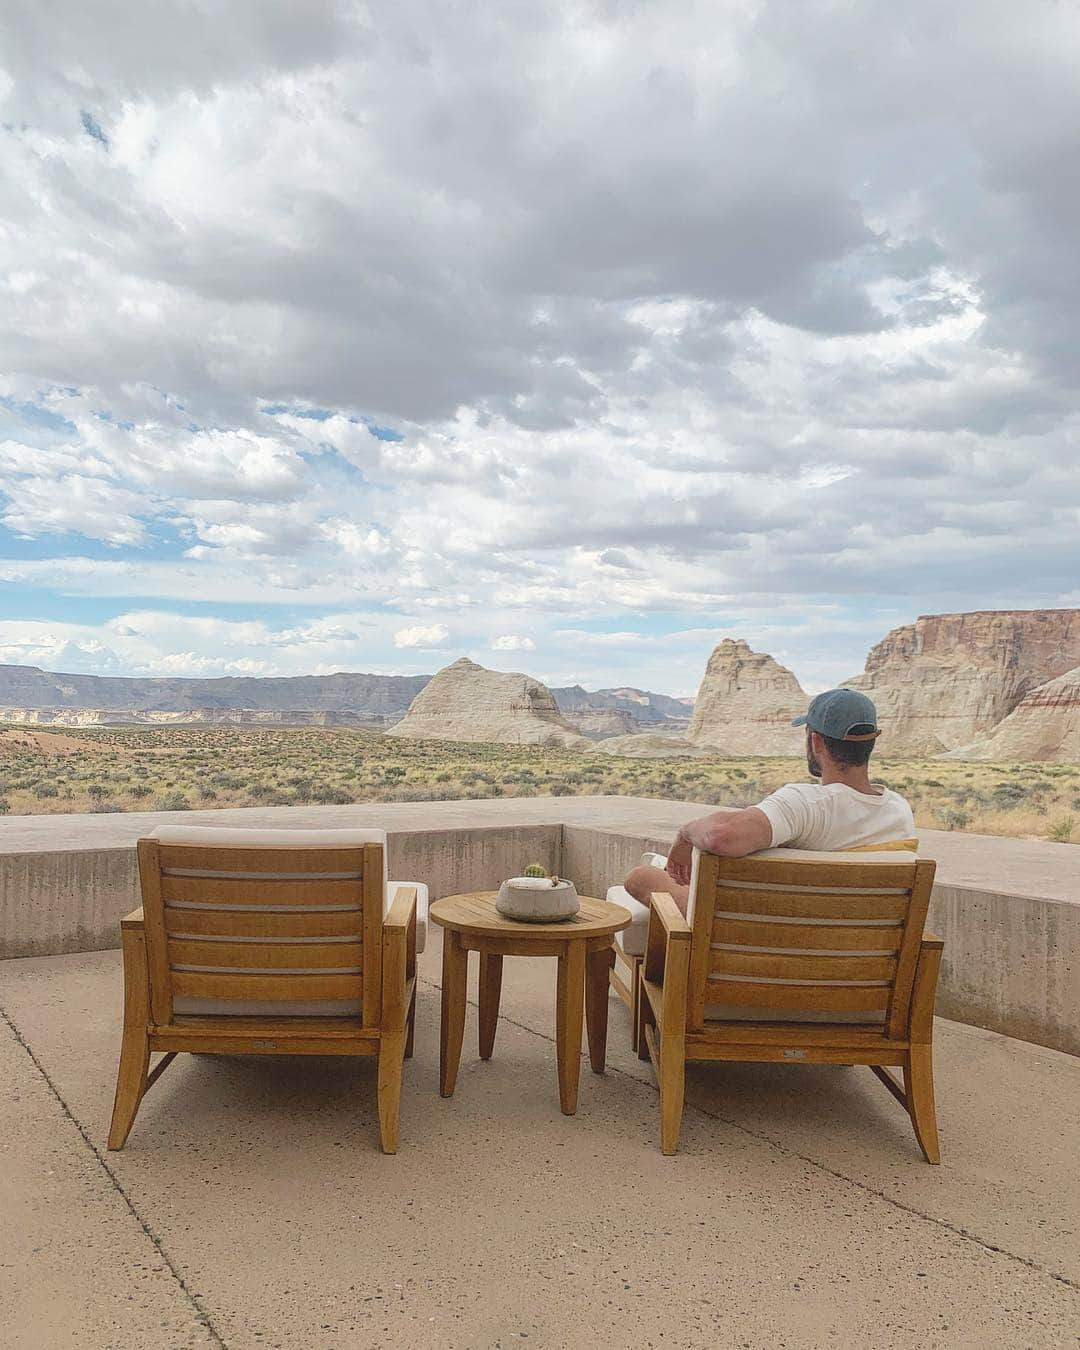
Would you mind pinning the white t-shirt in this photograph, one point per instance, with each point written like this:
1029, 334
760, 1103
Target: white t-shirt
834, 817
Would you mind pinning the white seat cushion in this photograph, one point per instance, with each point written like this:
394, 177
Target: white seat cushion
269, 839
421, 908
632, 940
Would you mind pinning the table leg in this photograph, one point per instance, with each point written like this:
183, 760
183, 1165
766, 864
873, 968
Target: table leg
490, 988
597, 980
452, 1029
569, 998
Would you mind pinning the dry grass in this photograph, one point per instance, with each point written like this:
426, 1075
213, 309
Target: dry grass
178, 768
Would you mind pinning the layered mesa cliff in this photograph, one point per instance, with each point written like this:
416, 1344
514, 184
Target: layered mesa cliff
466, 702
746, 703
946, 680
1044, 725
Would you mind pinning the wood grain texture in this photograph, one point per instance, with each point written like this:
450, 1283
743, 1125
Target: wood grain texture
257, 988
789, 966
811, 904
264, 892
343, 956
301, 862
822, 937
261, 923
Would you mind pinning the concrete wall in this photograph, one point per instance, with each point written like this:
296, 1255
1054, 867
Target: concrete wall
72, 901
1009, 911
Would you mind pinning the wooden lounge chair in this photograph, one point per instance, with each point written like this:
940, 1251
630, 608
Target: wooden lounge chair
268, 942
629, 945
793, 957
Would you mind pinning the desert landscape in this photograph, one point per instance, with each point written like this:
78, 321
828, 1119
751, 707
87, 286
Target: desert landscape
981, 714
184, 768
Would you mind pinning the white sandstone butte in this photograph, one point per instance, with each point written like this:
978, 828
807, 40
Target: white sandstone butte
945, 681
466, 702
746, 703
1044, 725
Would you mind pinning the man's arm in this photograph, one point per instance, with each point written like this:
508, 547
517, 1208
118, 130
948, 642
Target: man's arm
730, 834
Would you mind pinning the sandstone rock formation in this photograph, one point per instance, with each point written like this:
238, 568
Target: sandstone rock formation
466, 702
1044, 725
598, 722
645, 707
651, 746
53, 697
746, 703
946, 680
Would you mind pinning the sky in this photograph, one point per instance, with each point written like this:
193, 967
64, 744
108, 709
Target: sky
571, 337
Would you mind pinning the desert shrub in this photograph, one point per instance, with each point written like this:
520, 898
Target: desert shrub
953, 818
173, 801
140, 790
328, 795
5, 806
1061, 831
97, 790
44, 790
1006, 796
104, 806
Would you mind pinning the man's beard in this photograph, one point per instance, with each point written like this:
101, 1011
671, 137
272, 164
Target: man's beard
812, 761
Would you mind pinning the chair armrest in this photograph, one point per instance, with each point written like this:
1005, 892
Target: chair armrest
133, 920
402, 910
670, 915
924, 990
665, 924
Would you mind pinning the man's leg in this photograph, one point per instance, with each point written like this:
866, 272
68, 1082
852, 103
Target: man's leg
643, 880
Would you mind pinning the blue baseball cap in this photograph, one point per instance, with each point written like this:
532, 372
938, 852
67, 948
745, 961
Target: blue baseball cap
842, 715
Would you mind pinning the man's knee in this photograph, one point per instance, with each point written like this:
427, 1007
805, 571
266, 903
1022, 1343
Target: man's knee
641, 881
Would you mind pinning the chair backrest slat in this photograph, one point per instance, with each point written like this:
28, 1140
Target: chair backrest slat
281, 925
215, 954
807, 936
263, 892
249, 987
190, 921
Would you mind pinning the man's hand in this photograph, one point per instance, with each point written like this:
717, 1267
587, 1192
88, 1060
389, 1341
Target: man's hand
679, 861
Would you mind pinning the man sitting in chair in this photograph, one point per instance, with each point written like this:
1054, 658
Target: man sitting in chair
842, 811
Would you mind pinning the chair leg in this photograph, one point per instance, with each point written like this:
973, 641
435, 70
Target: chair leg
391, 1064
672, 1091
410, 1030
131, 1076
635, 995
919, 1087
130, 1084
643, 1017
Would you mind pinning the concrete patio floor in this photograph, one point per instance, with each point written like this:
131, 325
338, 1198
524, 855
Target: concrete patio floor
252, 1207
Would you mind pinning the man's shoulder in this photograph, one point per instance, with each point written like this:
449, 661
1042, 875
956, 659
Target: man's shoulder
808, 791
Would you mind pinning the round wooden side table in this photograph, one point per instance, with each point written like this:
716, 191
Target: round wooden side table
585, 955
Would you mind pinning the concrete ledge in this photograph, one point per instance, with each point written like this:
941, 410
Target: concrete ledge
1009, 910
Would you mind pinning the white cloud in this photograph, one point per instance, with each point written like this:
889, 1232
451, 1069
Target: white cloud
511, 642
584, 329
418, 636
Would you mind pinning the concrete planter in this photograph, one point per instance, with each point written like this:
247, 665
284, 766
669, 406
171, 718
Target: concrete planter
536, 900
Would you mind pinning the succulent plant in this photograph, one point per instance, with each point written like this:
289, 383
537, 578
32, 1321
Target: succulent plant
535, 870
